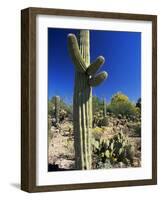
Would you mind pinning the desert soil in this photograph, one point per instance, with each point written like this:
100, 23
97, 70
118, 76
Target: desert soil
61, 145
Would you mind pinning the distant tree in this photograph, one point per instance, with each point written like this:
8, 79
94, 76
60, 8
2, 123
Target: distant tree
120, 104
138, 103
119, 98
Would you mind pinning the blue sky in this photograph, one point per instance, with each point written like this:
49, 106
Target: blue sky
122, 52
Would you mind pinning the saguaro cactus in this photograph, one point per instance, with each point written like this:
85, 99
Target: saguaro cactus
57, 108
85, 79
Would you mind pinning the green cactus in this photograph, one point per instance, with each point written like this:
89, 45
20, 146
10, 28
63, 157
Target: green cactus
115, 150
85, 78
57, 108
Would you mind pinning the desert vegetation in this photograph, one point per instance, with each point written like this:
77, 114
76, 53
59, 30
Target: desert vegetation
91, 133
115, 133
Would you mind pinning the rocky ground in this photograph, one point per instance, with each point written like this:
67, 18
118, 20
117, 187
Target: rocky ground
61, 146
61, 142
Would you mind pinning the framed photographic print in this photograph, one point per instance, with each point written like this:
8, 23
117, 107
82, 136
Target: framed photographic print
89, 99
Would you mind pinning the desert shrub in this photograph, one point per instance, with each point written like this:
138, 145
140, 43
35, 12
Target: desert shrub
97, 105
99, 119
96, 133
138, 114
121, 105
114, 150
69, 145
96, 117
119, 98
137, 128
102, 165
104, 121
62, 114
49, 127
51, 110
125, 108
65, 109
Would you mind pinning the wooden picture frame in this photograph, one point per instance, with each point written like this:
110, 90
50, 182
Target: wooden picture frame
28, 98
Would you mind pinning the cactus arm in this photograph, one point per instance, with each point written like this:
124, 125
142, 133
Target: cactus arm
75, 53
98, 79
94, 67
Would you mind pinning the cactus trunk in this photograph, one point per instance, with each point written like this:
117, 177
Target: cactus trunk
85, 78
82, 108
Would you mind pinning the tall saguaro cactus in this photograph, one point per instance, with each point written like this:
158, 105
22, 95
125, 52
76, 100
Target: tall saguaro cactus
85, 79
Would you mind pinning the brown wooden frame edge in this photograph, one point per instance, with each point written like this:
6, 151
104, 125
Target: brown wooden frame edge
28, 98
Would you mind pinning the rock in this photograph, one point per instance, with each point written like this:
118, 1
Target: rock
65, 164
136, 162
119, 116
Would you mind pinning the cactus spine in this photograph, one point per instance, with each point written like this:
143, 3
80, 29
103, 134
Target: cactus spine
85, 78
57, 108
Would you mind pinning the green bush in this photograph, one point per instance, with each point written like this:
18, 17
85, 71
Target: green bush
97, 132
119, 98
104, 121
51, 110
120, 104
97, 105
49, 127
99, 119
137, 128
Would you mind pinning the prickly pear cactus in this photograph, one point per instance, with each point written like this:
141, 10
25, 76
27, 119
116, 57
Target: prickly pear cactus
85, 79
